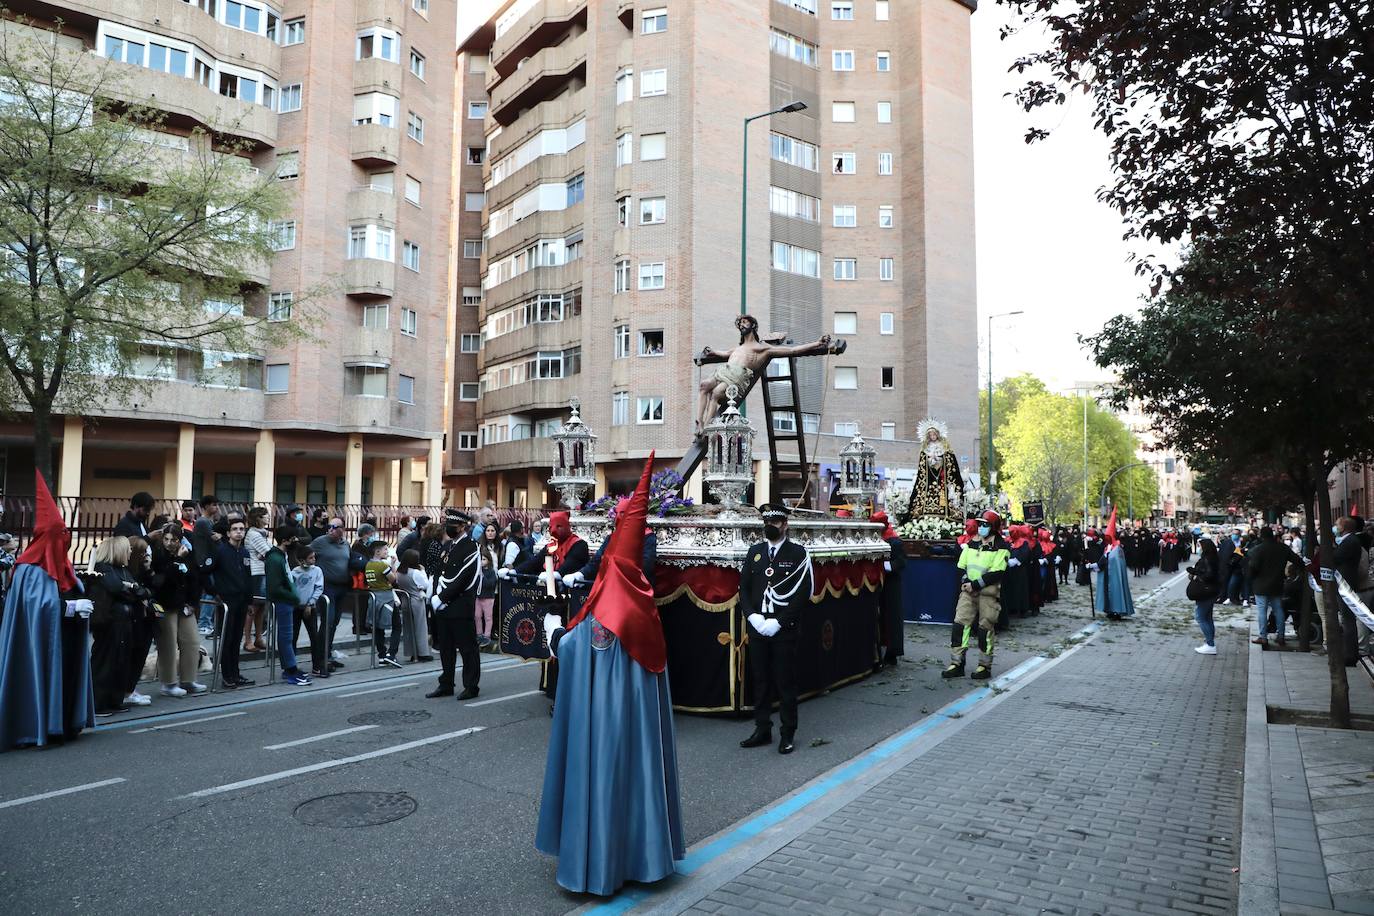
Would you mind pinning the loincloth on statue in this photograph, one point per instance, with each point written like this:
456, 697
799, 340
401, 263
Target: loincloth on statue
740, 376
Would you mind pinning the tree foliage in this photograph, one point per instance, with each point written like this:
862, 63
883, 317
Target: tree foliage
122, 250
1006, 395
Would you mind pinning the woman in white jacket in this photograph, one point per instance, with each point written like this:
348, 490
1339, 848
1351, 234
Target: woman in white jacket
257, 540
413, 589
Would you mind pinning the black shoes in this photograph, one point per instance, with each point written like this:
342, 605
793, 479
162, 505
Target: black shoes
785, 745
424, 658
439, 692
232, 683
759, 738
955, 669
981, 673
468, 694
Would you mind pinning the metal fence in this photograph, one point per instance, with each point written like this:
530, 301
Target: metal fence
91, 520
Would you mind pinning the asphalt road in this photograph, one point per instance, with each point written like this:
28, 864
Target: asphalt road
222, 804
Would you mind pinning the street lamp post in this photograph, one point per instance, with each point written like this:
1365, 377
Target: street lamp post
992, 475
1085, 459
744, 201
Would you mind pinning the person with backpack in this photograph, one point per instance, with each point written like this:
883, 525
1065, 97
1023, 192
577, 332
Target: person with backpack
1204, 582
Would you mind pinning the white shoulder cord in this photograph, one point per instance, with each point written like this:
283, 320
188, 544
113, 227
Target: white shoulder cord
773, 595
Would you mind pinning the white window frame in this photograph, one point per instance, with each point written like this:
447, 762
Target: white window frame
375, 108
884, 112
380, 37
653, 275
846, 269
841, 61
288, 166
625, 85
884, 163
410, 255
421, 7
376, 316
882, 62
285, 386
417, 65
647, 142
621, 334
887, 323
468, 391
293, 32
843, 162
889, 430
467, 440
283, 234
477, 111
624, 149
888, 369
795, 259
474, 201
654, 21
620, 408
653, 82
887, 216
881, 10
649, 401
800, 153
469, 343
653, 211
622, 276
846, 323
844, 216
415, 184
842, 112
372, 242
290, 98
842, 10
886, 269
472, 249
846, 378
279, 305
401, 380
410, 322
415, 127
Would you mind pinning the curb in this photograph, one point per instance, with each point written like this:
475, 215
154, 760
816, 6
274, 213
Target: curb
1259, 889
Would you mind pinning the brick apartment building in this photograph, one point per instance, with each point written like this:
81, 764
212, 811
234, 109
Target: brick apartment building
597, 227
350, 102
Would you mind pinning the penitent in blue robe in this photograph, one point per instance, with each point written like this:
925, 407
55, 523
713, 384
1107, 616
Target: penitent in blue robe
1114, 586
610, 810
45, 665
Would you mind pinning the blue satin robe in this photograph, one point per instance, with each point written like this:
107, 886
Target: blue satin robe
610, 810
1114, 586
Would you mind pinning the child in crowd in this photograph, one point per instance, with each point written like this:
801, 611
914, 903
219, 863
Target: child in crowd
486, 599
380, 581
308, 580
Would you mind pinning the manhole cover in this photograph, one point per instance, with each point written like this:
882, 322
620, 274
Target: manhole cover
355, 809
389, 717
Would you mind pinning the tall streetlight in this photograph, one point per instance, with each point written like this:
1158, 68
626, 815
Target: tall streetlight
744, 201
992, 474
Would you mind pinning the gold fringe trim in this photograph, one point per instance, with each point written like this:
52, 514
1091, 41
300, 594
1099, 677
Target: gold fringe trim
686, 590
830, 591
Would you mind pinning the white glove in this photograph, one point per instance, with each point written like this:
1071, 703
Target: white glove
887, 566
1013, 562
574, 579
543, 577
1042, 561
181, 568
504, 572
436, 602
81, 607
756, 621
771, 627
552, 622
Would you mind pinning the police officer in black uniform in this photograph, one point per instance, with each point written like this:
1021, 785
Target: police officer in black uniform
774, 586
455, 607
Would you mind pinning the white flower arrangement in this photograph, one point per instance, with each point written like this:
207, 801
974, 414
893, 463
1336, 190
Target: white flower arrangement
930, 528
898, 499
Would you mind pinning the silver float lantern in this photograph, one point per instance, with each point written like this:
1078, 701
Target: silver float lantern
574, 463
858, 474
729, 454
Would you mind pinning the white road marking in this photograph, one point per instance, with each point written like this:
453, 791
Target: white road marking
513, 696
300, 741
154, 728
13, 802
330, 764
378, 690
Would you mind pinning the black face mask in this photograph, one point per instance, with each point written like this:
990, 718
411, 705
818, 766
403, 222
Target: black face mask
451, 531
772, 532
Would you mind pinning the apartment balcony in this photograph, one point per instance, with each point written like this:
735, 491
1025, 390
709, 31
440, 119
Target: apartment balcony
625, 12
547, 335
377, 75
368, 347
365, 413
521, 453
369, 278
186, 22
187, 402
543, 22
372, 145
539, 76
558, 112
381, 12
539, 225
368, 204
541, 279
187, 101
551, 168
544, 394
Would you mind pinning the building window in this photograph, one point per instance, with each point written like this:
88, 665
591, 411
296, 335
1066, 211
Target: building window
420, 6
236, 488
379, 43
294, 33
474, 201
374, 108
477, 110
624, 150
806, 6
622, 276
889, 374
290, 98
622, 211
843, 164
653, 82
410, 256
788, 45
649, 410
842, 9
653, 146
469, 343
370, 242
786, 202
885, 218
413, 190
472, 248
654, 21
847, 379
417, 63
842, 112
884, 112
286, 489
880, 10
576, 189
653, 210
472, 295
288, 166
889, 430
365, 381
886, 323
846, 322
651, 275
624, 85
884, 62
845, 216
316, 489
796, 152
377, 317
405, 389
477, 155
415, 127
846, 269
650, 343
278, 378
842, 60
467, 441
410, 322
622, 341
620, 408
467, 391
796, 260
884, 268
279, 306
884, 163
283, 234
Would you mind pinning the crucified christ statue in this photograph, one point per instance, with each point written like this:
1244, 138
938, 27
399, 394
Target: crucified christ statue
745, 363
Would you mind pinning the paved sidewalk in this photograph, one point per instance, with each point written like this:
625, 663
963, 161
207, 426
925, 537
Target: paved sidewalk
1109, 784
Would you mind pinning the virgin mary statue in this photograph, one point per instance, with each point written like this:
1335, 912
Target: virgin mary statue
939, 487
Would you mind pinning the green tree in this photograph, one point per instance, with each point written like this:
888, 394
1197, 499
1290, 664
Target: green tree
117, 256
1006, 395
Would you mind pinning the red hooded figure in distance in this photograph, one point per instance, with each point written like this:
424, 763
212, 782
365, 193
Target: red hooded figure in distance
610, 809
